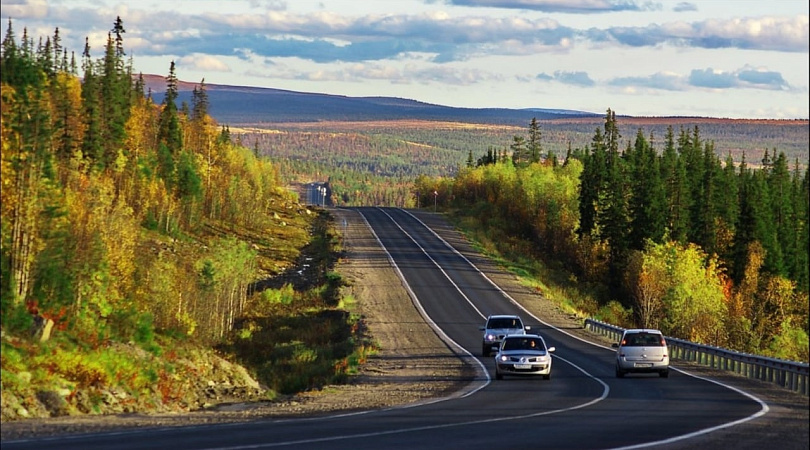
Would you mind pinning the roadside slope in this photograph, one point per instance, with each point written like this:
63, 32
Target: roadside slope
413, 364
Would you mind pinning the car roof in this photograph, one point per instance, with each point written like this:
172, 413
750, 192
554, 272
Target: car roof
503, 316
642, 330
522, 336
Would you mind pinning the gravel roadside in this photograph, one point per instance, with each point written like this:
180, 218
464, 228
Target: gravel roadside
414, 365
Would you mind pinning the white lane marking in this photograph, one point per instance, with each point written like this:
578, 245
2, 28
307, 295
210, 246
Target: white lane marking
430, 427
764, 409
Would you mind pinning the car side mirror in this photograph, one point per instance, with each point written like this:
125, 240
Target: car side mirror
482, 328
551, 349
527, 328
615, 345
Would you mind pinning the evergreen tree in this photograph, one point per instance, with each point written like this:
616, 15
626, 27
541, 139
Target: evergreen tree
115, 85
647, 204
691, 151
612, 209
726, 207
673, 175
533, 145
755, 223
704, 219
592, 181
199, 102
169, 132
518, 148
784, 216
800, 269
92, 144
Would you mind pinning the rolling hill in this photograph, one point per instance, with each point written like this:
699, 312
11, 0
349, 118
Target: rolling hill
241, 105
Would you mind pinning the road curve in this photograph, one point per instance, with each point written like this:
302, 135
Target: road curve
582, 406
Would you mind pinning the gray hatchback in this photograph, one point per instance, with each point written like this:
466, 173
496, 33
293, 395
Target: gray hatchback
642, 350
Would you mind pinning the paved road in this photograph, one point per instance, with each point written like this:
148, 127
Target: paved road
583, 406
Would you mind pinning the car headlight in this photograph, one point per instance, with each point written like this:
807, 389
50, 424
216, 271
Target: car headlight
490, 337
504, 358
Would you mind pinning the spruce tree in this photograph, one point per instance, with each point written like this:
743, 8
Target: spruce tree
518, 148
533, 145
704, 219
92, 144
673, 176
783, 213
592, 180
647, 204
169, 132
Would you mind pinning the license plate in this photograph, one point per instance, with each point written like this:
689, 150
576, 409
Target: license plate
643, 365
523, 366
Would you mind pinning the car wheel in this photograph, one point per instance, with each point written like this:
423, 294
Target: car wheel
485, 351
619, 372
664, 374
498, 375
547, 377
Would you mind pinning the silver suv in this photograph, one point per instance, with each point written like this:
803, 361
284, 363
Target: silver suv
642, 350
497, 327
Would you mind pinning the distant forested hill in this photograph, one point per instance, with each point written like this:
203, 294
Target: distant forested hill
254, 106
394, 118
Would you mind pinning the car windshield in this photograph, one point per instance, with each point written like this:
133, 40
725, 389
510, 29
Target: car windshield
504, 323
523, 344
642, 340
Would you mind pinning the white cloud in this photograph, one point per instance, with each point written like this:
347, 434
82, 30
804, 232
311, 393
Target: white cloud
200, 62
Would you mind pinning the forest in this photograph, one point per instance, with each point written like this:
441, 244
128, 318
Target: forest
133, 239
127, 222
392, 153
706, 249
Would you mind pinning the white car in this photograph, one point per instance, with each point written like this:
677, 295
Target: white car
523, 355
498, 327
643, 351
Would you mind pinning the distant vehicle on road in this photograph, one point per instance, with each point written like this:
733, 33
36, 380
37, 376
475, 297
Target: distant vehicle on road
497, 327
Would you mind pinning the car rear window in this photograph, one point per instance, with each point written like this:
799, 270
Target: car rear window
642, 340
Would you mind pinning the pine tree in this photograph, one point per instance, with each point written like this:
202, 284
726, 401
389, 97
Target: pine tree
518, 148
199, 102
533, 145
27, 163
115, 85
704, 219
92, 144
673, 170
691, 151
592, 181
169, 131
647, 204
612, 209
800, 269
784, 216
727, 204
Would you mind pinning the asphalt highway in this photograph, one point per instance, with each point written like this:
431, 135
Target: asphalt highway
582, 406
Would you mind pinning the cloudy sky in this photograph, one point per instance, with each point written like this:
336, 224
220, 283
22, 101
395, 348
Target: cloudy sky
718, 58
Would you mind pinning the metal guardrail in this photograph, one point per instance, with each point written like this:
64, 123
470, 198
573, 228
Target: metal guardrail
787, 374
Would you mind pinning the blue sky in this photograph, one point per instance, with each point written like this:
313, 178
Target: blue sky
715, 58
